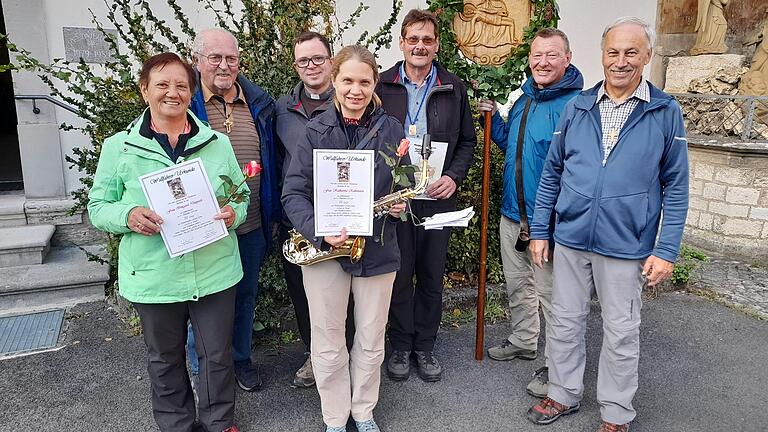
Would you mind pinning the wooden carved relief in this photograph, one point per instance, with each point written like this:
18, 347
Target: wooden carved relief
488, 30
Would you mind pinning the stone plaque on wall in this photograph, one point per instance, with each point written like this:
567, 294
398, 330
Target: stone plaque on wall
87, 43
677, 16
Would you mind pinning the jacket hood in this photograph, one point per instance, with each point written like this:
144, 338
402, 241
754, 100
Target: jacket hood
571, 80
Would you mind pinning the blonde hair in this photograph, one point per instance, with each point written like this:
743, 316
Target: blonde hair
361, 54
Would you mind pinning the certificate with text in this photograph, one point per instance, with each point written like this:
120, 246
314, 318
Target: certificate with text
343, 192
183, 197
435, 162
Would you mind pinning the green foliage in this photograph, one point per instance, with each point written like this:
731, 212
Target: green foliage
271, 307
463, 247
690, 258
107, 96
489, 82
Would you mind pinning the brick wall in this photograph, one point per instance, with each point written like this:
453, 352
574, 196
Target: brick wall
728, 211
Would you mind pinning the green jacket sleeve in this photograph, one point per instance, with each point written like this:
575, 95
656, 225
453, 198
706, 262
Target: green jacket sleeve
106, 207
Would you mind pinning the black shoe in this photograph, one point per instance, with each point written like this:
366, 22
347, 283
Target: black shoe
247, 377
429, 368
398, 366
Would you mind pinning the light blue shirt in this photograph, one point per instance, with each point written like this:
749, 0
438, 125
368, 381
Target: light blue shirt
417, 97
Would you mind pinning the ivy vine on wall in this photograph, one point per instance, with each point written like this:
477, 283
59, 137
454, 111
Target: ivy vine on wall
485, 81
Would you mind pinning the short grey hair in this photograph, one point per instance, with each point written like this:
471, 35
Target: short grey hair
650, 34
198, 45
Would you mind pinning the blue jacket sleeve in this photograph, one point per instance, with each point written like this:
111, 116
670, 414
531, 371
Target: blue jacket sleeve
549, 185
674, 183
499, 131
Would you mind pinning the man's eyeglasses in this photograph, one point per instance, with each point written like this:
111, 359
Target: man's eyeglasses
426, 40
215, 59
316, 60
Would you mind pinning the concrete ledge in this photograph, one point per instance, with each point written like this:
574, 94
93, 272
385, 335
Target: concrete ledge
51, 211
24, 245
12, 210
65, 279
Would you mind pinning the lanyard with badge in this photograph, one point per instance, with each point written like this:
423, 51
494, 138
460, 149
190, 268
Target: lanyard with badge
412, 119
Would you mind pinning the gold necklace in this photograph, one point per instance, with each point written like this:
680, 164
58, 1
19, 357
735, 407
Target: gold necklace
228, 120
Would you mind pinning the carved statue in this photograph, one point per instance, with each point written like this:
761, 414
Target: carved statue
710, 28
488, 30
755, 81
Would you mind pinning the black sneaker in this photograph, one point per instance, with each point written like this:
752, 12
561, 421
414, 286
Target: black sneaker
398, 366
429, 368
247, 377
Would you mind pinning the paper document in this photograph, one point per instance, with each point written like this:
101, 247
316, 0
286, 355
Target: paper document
435, 162
459, 218
343, 192
182, 195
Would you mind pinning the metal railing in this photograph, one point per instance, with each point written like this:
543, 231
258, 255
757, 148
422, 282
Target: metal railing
35, 98
745, 117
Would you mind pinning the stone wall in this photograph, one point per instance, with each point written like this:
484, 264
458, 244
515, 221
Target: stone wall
728, 211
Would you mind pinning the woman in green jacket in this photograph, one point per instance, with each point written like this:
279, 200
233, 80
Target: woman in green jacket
167, 292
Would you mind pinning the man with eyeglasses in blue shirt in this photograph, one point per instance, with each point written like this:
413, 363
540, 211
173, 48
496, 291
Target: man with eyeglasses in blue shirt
235, 106
426, 98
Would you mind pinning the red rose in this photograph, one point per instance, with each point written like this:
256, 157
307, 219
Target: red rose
251, 169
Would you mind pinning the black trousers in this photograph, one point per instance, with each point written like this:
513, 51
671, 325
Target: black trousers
295, 284
416, 308
165, 334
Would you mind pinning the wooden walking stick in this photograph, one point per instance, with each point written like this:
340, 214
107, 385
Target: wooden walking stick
480, 331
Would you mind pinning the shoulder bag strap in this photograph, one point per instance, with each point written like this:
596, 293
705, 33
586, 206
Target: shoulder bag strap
524, 229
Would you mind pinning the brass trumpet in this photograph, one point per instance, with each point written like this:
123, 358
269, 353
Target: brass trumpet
298, 250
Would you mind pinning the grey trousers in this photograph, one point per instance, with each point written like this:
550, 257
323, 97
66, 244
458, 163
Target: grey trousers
618, 283
165, 334
528, 287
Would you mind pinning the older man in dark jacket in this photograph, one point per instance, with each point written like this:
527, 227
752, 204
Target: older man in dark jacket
426, 98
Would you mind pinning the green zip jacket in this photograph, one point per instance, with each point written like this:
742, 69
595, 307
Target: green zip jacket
146, 273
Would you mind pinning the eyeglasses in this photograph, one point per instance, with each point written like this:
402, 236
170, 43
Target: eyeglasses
316, 60
426, 40
215, 59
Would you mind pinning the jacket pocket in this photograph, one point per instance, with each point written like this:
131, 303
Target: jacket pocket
621, 222
572, 209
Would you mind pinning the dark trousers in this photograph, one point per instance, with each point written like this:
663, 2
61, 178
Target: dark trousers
165, 334
295, 284
416, 309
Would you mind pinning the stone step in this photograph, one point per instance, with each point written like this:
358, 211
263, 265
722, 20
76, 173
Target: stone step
65, 278
24, 245
12, 210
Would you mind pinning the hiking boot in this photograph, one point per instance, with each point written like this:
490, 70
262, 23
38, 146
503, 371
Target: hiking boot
429, 368
247, 377
367, 426
547, 411
231, 429
304, 377
335, 429
508, 351
539, 384
610, 427
398, 366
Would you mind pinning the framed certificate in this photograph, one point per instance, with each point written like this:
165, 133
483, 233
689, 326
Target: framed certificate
343, 191
182, 195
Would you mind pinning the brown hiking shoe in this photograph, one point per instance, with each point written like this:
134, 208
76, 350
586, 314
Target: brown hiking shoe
547, 411
610, 427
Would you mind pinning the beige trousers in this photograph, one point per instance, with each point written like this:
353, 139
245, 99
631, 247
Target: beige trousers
348, 383
528, 287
